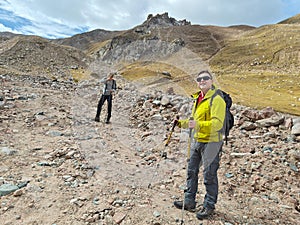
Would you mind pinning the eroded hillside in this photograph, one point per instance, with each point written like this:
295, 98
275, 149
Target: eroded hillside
38, 56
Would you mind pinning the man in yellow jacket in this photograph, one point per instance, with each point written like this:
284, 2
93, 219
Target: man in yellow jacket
208, 117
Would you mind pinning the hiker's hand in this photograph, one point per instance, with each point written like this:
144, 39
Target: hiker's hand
175, 121
192, 124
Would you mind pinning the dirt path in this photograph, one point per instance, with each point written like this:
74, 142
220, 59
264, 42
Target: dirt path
83, 172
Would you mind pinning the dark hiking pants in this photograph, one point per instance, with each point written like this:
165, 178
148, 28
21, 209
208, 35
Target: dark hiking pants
104, 98
208, 155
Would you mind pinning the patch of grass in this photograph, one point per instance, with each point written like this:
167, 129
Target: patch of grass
261, 68
279, 91
80, 74
253, 89
151, 75
271, 46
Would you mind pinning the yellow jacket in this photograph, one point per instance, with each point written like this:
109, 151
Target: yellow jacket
209, 120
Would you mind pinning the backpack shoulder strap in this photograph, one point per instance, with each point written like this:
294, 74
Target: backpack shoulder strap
105, 86
217, 92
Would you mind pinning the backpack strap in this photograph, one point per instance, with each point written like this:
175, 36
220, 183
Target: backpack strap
114, 86
217, 92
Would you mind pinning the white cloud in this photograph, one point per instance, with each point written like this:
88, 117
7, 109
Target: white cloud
5, 29
67, 17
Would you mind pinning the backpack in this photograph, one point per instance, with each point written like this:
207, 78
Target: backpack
229, 119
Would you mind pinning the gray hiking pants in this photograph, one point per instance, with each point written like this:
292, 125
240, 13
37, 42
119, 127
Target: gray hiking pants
208, 155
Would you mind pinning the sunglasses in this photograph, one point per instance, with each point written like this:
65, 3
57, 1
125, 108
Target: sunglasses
203, 78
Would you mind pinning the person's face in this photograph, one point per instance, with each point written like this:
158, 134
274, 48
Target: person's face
204, 81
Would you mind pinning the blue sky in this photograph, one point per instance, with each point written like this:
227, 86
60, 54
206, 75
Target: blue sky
65, 18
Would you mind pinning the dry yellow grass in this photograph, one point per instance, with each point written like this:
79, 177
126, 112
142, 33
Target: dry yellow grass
279, 91
150, 74
80, 74
261, 68
257, 90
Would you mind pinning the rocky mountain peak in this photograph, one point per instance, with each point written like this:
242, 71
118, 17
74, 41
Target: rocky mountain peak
164, 20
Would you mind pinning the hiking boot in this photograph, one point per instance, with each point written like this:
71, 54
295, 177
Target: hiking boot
187, 205
97, 119
107, 122
204, 213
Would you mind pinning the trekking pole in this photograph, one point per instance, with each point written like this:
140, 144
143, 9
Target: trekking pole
172, 130
187, 160
163, 153
189, 142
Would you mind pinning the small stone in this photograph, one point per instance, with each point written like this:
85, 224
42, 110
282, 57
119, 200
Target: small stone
156, 214
6, 189
18, 193
229, 175
18, 217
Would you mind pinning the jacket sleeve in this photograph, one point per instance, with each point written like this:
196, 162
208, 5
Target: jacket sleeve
183, 123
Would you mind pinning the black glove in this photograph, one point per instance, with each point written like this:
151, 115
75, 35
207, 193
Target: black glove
175, 121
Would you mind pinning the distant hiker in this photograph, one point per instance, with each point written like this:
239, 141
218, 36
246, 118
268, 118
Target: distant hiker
109, 89
208, 119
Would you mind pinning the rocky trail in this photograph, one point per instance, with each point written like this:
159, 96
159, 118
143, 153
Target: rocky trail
68, 169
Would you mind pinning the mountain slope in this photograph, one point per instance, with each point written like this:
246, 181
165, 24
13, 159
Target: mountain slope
4, 36
84, 41
292, 20
203, 40
36, 55
250, 63
235, 54
261, 67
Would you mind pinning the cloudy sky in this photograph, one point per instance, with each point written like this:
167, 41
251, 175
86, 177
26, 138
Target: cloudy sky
64, 18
